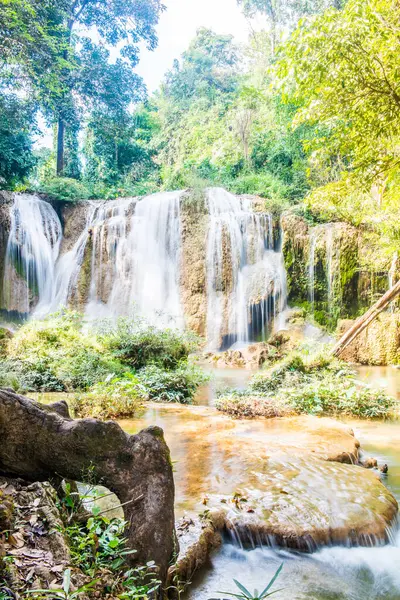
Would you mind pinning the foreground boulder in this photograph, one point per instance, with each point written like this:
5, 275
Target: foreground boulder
42, 443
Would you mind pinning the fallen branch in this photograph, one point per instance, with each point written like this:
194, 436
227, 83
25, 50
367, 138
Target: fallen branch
366, 319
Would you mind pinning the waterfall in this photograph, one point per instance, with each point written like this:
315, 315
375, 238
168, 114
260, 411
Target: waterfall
32, 250
311, 269
245, 277
126, 260
329, 266
135, 260
150, 258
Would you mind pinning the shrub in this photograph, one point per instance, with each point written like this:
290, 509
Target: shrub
315, 384
137, 343
334, 397
113, 399
179, 385
241, 405
55, 355
66, 189
265, 185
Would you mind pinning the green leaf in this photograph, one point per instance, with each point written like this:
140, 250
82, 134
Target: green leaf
243, 589
271, 583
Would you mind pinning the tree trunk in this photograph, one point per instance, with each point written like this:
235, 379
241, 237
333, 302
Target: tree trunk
39, 443
60, 147
367, 318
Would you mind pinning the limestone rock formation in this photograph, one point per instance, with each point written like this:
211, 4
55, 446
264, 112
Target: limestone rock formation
344, 267
378, 344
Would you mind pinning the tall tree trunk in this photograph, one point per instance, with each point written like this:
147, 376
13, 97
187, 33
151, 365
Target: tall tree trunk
366, 319
42, 443
60, 147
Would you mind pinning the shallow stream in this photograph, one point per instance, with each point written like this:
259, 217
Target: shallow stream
211, 456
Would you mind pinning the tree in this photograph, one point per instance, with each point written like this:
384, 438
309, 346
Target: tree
125, 24
16, 158
44, 45
284, 14
342, 71
208, 68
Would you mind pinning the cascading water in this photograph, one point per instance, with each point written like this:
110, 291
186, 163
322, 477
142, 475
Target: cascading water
311, 269
127, 260
32, 250
135, 260
245, 277
329, 266
150, 256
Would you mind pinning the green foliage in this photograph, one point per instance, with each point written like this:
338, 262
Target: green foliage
312, 383
136, 343
178, 385
65, 189
246, 595
55, 355
66, 592
265, 185
16, 129
112, 399
59, 353
101, 544
330, 396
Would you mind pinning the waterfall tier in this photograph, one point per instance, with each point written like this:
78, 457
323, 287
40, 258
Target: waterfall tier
134, 256
31, 254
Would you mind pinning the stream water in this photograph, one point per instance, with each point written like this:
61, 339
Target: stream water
212, 455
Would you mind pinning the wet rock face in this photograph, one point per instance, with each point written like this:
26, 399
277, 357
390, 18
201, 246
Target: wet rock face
194, 224
378, 344
6, 200
347, 268
252, 356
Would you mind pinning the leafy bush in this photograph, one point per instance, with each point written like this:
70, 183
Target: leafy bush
242, 405
137, 344
334, 397
66, 189
100, 545
179, 385
115, 398
265, 185
55, 355
316, 384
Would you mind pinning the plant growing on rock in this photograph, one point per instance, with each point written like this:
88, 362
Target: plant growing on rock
137, 344
178, 385
314, 384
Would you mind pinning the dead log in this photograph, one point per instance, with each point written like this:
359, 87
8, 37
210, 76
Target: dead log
365, 320
39, 443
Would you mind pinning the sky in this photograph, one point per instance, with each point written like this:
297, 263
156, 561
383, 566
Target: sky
178, 25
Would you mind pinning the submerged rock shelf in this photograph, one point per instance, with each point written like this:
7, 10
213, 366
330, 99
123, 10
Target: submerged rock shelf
289, 482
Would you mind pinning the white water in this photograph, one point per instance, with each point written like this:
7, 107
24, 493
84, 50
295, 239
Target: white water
243, 271
32, 249
135, 264
329, 266
311, 268
135, 249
